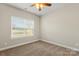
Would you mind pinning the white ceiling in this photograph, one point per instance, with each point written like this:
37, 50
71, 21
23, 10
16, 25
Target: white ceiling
27, 7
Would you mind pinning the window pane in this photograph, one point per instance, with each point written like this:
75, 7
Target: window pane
21, 27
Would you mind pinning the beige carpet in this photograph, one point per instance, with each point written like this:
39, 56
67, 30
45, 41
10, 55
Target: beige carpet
39, 48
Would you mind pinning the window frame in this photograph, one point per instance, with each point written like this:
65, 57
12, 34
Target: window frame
33, 32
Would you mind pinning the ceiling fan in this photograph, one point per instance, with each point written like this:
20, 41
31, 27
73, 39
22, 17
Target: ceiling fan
40, 6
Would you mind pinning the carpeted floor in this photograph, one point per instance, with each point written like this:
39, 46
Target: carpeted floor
39, 48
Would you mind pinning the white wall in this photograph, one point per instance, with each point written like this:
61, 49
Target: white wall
5, 26
62, 26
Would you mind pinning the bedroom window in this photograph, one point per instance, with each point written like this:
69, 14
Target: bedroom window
21, 27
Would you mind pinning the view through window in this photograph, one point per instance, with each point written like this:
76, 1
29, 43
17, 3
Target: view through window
21, 27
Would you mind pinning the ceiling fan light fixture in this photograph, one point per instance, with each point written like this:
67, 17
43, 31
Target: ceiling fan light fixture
40, 6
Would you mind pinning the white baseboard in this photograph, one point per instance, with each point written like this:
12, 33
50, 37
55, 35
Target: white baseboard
65, 46
8, 47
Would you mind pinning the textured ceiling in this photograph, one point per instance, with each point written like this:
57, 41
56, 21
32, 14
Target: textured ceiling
27, 7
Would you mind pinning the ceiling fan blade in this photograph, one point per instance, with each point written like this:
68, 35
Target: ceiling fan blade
48, 4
